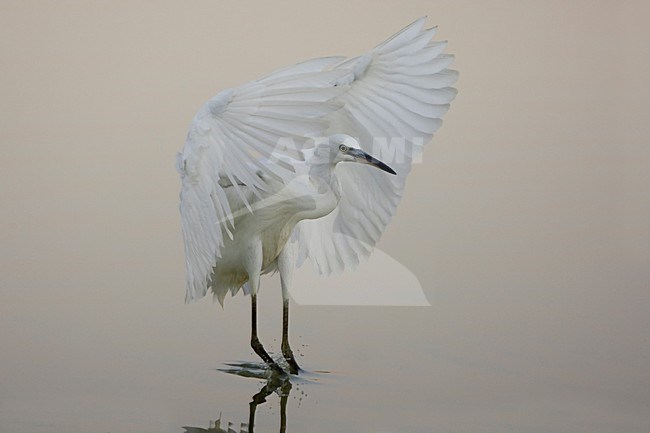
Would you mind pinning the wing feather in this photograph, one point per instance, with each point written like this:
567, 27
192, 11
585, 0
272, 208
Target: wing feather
396, 98
228, 139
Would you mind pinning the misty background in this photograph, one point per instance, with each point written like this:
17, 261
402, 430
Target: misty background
527, 222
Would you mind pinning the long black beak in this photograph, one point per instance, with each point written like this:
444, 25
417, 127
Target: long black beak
364, 158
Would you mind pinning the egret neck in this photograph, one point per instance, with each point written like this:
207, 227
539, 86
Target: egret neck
320, 165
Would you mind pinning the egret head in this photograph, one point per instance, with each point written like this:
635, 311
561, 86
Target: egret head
343, 148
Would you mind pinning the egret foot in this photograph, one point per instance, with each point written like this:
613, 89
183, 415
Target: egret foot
294, 368
259, 349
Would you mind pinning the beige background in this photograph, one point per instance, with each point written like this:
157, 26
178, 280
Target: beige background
528, 222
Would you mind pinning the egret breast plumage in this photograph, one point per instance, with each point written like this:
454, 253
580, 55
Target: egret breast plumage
287, 168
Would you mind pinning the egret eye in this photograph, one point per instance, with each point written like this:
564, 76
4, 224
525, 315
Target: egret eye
343, 148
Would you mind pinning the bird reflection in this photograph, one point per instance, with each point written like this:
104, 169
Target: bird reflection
275, 383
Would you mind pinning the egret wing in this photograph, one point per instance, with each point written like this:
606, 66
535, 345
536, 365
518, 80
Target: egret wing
396, 96
228, 141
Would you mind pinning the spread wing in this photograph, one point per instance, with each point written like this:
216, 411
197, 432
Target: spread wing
396, 96
228, 140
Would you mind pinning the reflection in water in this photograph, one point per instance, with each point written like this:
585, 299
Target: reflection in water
275, 383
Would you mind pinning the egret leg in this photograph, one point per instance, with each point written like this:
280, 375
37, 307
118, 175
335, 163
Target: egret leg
255, 342
285, 266
271, 386
283, 408
258, 399
286, 349
253, 264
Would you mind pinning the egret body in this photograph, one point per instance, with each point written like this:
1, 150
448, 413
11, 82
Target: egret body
251, 205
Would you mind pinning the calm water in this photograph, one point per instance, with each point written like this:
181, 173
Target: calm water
105, 362
93, 363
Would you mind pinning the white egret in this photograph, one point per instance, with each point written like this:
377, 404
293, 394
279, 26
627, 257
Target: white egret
262, 187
